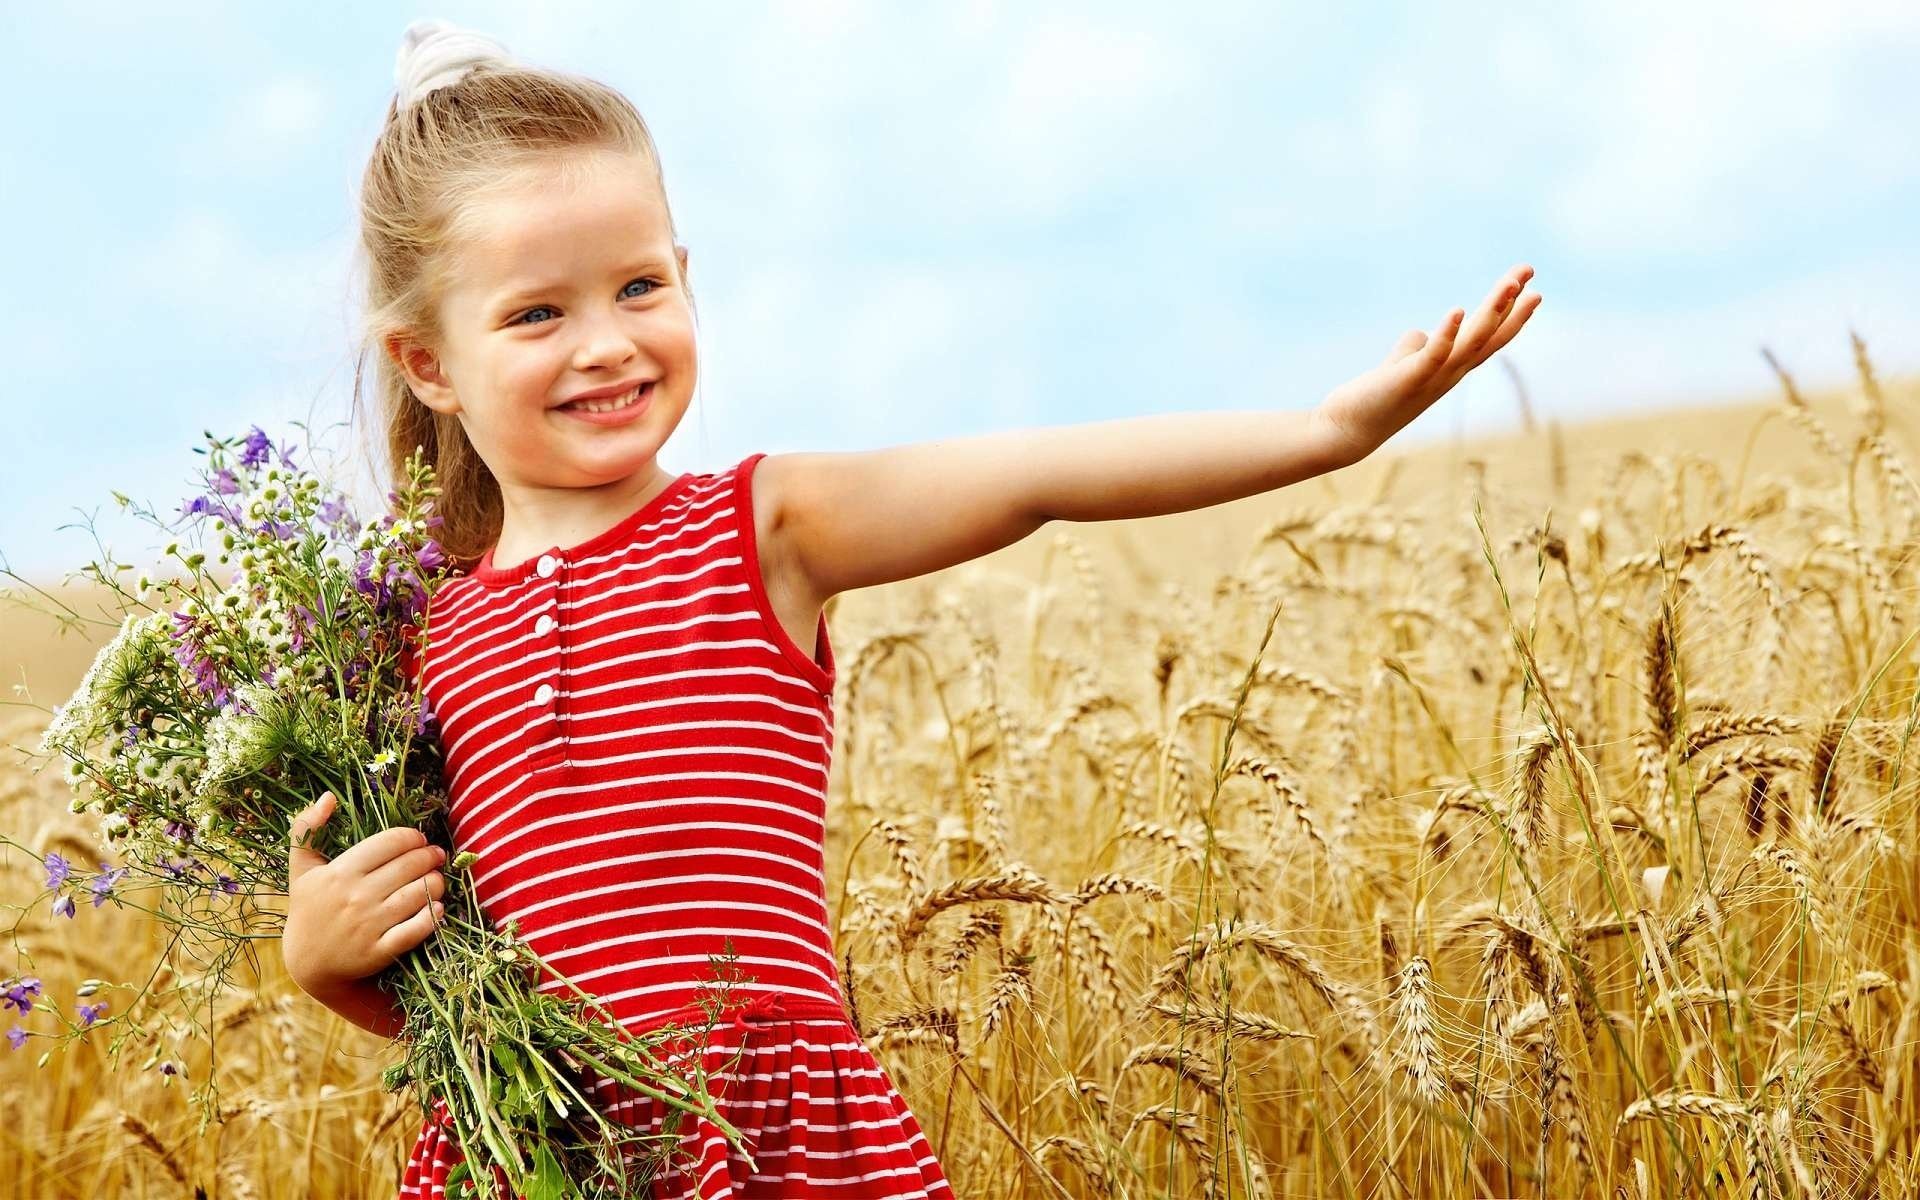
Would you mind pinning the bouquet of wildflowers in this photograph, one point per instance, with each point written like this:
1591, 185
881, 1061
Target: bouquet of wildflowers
220, 710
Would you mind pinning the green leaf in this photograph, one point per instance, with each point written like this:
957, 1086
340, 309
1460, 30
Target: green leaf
549, 1182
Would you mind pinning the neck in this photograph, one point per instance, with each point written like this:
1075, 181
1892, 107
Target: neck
534, 519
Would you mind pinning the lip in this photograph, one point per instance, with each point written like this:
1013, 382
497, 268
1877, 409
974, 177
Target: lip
619, 416
608, 392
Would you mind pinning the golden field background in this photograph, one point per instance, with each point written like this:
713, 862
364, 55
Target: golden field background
1309, 845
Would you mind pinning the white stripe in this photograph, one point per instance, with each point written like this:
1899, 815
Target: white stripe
675, 906
522, 680
472, 643
509, 607
816, 710
552, 957
674, 515
651, 989
609, 840
472, 840
459, 770
624, 968
669, 881
698, 852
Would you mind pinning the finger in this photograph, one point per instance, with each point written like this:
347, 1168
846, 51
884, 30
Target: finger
374, 850
1439, 347
300, 857
1516, 317
1486, 322
397, 873
408, 897
412, 931
1409, 341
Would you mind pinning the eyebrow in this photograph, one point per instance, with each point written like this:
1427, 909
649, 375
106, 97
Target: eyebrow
520, 295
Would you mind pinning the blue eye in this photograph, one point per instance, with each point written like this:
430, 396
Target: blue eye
654, 285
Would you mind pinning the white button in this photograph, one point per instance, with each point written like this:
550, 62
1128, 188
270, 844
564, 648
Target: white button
543, 693
544, 625
547, 565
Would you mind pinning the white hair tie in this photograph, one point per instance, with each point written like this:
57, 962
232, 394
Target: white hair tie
435, 54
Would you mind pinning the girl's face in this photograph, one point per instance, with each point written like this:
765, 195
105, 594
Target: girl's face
567, 284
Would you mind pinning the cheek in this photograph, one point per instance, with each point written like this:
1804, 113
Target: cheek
527, 375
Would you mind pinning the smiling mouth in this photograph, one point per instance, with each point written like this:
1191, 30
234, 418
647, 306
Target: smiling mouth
613, 404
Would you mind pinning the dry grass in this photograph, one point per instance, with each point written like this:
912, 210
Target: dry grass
1334, 843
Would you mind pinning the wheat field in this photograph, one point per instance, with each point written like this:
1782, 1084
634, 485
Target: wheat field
1529, 817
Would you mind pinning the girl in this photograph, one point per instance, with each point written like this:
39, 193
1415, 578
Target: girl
632, 675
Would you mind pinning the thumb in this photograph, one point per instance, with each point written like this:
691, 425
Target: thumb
301, 858
1409, 341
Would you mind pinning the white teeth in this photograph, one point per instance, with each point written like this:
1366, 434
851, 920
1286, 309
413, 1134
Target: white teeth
600, 406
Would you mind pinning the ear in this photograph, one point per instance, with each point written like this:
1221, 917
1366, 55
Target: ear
421, 367
680, 252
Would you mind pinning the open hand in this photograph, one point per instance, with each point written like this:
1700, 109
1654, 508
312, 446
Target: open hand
1362, 413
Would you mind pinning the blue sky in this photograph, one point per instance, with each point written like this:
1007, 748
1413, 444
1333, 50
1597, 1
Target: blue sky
909, 222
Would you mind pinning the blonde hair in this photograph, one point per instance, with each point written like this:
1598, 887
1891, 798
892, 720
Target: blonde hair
432, 160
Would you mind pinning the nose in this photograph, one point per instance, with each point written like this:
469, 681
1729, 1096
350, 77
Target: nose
605, 344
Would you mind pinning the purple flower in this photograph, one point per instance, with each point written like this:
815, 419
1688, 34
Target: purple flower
18, 1036
181, 868
102, 884
169, 1068
226, 883
57, 869
225, 482
63, 906
430, 555
89, 1013
21, 994
179, 831
257, 448
196, 507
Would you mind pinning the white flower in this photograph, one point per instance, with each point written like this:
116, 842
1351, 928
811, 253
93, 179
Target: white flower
381, 762
236, 741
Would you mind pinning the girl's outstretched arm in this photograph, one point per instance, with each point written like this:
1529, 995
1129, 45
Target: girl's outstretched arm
859, 519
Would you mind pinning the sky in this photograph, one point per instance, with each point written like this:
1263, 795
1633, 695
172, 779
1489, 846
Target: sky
911, 222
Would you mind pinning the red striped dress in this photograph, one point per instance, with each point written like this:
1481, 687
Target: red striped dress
637, 752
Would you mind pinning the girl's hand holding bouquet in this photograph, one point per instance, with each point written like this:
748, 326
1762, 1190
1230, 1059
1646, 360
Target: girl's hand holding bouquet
348, 919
